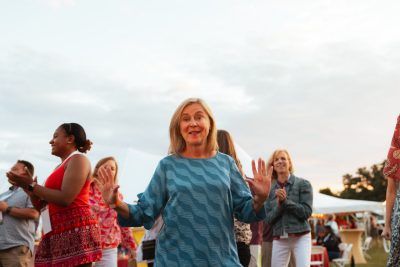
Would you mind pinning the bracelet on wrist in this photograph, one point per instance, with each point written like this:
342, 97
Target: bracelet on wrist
31, 186
116, 204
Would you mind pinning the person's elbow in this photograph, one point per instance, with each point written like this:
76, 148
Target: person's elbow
307, 211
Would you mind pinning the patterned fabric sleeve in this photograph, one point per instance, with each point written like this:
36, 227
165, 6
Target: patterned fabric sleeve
111, 233
150, 202
392, 166
127, 240
94, 200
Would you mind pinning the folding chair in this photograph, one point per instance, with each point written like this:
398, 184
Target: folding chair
366, 246
346, 255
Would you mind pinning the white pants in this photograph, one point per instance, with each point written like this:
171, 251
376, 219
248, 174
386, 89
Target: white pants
254, 253
109, 259
266, 254
299, 247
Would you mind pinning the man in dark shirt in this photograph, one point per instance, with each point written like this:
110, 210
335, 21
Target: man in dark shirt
331, 242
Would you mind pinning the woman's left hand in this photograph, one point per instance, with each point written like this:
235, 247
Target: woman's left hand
19, 180
261, 183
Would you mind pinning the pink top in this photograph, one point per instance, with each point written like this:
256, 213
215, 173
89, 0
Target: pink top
111, 233
392, 167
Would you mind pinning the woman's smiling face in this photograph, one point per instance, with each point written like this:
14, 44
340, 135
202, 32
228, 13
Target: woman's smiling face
194, 125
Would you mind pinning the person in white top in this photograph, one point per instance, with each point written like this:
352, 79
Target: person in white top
332, 223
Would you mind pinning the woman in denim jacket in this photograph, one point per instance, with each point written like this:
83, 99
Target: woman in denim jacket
288, 208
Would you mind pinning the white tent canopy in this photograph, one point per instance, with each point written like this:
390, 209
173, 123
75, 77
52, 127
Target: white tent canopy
324, 204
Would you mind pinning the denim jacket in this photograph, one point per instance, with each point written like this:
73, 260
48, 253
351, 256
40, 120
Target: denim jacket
292, 214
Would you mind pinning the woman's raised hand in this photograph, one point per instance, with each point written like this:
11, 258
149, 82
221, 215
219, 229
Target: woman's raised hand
106, 185
261, 183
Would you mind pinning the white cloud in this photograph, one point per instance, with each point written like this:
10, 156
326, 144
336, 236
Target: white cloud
319, 78
61, 3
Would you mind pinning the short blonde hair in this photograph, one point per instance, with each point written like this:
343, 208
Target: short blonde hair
273, 157
177, 143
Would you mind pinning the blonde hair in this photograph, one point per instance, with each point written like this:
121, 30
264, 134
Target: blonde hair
103, 161
273, 157
177, 143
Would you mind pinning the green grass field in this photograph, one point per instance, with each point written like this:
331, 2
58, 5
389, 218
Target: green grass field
378, 256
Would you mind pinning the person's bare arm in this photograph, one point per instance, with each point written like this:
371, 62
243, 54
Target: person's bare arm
122, 210
37, 203
24, 213
77, 171
390, 198
21, 213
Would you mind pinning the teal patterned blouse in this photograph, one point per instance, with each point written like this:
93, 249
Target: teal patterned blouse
197, 199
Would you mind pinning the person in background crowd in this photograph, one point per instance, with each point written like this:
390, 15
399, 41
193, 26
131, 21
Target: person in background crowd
332, 223
392, 221
71, 233
352, 223
374, 227
331, 242
255, 242
112, 234
198, 191
319, 228
147, 248
266, 248
242, 230
288, 208
17, 222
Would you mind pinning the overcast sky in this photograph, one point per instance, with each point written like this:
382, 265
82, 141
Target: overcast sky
319, 78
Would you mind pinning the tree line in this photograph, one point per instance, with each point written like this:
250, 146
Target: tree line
366, 184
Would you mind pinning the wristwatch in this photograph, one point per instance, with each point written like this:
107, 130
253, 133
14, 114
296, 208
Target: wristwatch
31, 186
8, 209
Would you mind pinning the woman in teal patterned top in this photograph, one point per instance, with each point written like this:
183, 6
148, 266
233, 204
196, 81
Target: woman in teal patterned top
198, 191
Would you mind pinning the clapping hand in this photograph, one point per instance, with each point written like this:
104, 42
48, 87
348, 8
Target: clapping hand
281, 195
106, 185
20, 180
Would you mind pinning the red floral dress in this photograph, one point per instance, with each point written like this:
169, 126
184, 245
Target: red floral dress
75, 235
392, 170
112, 234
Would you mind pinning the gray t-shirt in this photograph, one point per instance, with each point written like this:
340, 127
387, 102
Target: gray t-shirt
13, 231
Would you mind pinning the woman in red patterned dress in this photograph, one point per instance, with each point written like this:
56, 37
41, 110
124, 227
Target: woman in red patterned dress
71, 233
392, 222
112, 234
